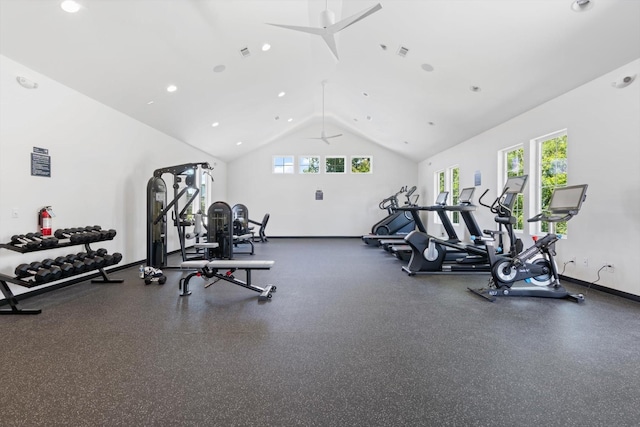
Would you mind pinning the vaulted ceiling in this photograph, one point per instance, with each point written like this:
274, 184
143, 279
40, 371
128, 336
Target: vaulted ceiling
416, 76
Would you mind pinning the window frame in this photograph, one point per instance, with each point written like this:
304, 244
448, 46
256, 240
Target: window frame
284, 165
439, 185
454, 191
302, 164
536, 191
369, 172
344, 165
505, 169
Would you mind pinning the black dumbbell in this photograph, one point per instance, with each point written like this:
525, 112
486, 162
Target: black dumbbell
65, 233
89, 263
45, 242
65, 268
111, 234
98, 262
103, 253
21, 240
93, 228
40, 275
78, 265
117, 257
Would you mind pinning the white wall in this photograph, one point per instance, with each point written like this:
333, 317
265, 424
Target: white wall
101, 161
603, 125
350, 205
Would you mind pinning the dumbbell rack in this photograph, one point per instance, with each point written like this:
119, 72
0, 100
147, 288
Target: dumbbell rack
5, 280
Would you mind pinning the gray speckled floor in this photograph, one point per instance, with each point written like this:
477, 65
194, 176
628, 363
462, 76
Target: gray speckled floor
347, 340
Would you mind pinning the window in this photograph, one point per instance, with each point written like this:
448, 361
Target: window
282, 164
454, 189
361, 164
309, 164
513, 165
551, 173
440, 187
334, 164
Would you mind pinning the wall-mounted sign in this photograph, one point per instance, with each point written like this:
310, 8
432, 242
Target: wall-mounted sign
40, 162
477, 178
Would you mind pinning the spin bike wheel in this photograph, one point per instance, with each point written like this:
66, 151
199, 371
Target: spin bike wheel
504, 271
543, 279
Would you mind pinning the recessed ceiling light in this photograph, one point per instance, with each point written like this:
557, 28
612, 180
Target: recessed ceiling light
281, 94
150, 102
26, 83
355, 119
427, 67
365, 93
266, 47
383, 46
581, 5
623, 82
172, 88
219, 68
215, 124
239, 143
406, 142
431, 124
277, 117
475, 89
70, 6
369, 118
290, 119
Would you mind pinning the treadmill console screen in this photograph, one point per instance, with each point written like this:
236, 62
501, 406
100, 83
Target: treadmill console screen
442, 198
567, 199
516, 184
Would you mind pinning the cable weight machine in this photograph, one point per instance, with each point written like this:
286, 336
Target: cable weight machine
191, 174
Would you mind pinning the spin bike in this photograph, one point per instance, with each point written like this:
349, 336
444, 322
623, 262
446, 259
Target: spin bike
535, 265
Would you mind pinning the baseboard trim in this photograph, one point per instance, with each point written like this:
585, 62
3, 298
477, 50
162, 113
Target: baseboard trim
601, 288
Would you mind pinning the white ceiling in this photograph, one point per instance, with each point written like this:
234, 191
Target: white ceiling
520, 53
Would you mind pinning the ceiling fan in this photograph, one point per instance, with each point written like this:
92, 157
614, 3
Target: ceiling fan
323, 135
330, 27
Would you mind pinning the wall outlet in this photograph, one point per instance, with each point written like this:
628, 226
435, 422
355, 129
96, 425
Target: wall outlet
585, 262
15, 213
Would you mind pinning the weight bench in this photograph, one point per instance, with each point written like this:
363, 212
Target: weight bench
210, 269
243, 239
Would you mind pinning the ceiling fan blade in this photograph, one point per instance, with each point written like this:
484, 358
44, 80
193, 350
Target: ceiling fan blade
310, 30
331, 42
334, 136
344, 23
326, 140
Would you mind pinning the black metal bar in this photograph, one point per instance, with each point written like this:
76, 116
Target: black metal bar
13, 302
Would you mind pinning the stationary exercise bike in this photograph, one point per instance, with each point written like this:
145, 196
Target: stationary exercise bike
535, 265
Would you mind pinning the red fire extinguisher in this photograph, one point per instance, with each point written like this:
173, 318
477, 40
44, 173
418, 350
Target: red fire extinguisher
45, 216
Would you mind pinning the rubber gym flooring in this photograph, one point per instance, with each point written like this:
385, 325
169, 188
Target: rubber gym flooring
347, 340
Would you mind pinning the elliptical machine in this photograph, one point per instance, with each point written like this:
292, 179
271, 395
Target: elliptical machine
434, 255
396, 223
535, 265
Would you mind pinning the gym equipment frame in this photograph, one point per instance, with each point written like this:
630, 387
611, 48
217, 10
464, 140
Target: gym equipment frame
61, 243
536, 265
157, 209
210, 269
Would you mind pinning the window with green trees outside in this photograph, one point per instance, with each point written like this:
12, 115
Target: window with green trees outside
552, 173
514, 166
361, 164
334, 165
